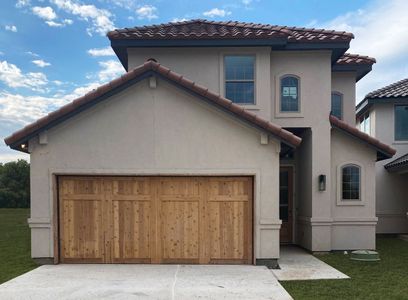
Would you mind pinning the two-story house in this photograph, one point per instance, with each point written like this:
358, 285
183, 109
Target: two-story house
384, 114
222, 141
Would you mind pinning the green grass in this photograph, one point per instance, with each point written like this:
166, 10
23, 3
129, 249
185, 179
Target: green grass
386, 279
15, 258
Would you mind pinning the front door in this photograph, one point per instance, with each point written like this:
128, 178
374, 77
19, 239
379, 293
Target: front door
285, 203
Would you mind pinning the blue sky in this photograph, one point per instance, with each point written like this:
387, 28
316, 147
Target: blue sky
52, 51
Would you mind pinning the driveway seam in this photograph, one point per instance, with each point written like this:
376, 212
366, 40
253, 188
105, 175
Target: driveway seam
174, 283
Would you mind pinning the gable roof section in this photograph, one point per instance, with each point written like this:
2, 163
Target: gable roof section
383, 150
148, 69
203, 33
393, 93
398, 165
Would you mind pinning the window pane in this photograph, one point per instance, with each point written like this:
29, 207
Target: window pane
401, 122
239, 67
240, 92
289, 94
351, 183
337, 105
284, 213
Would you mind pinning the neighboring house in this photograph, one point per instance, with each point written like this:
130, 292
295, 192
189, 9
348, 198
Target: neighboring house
216, 147
384, 115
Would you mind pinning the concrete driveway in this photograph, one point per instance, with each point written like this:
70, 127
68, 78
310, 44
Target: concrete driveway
145, 282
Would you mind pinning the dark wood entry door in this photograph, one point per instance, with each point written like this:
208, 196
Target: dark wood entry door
285, 203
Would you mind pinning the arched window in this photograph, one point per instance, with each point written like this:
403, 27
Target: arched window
351, 182
337, 105
289, 93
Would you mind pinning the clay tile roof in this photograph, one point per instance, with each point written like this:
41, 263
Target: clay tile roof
355, 59
203, 29
53, 118
385, 150
395, 90
398, 164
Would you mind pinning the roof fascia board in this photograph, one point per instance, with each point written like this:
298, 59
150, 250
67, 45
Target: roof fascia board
361, 70
366, 103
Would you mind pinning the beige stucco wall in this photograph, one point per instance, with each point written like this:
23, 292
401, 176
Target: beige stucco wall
159, 131
345, 83
391, 188
353, 222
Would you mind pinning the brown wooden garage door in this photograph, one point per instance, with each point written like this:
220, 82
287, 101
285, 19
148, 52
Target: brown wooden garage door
155, 219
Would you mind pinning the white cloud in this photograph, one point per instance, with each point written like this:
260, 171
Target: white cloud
216, 12
12, 76
45, 13
99, 18
179, 20
146, 12
12, 28
246, 2
22, 3
41, 63
101, 51
110, 70
32, 54
381, 31
57, 24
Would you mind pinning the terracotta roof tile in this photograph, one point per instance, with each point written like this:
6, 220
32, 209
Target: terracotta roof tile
383, 148
395, 90
22, 135
355, 59
203, 29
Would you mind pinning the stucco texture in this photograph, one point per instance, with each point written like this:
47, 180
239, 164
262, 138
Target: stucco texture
155, 131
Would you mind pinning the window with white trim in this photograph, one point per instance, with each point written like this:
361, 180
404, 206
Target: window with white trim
289, 94
350, 182
240, 78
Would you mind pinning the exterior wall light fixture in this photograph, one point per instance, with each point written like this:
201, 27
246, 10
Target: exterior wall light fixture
322, 182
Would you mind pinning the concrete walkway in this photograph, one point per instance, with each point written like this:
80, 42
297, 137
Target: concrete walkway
144, 282
297, 264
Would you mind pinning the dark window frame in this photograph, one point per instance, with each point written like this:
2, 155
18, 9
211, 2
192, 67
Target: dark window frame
341, 104
350, 191
253, 81
403, 139
297, 92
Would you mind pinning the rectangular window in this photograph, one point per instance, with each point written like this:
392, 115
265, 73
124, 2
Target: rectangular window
337, 105
365, 125
240, 78
401, 122
351, 183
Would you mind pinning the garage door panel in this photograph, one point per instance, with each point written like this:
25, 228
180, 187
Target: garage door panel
156, 219
180, 230
131, 230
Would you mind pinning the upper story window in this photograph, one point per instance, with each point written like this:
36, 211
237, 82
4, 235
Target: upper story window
350, 182
337, 105
365, 123
401, 122
240, 78
289, 93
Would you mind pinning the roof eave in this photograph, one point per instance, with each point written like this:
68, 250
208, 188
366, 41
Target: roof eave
360, 69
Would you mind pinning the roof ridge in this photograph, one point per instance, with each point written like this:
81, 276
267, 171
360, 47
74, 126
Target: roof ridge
372, 94
222, 102
240, 24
